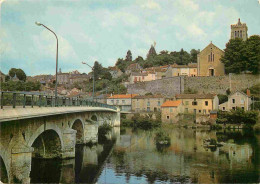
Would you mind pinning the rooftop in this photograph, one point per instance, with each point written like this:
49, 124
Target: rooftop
148, 96
195, 96
171, 103
124, 96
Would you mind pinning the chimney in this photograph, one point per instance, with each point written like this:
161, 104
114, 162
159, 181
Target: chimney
248, 92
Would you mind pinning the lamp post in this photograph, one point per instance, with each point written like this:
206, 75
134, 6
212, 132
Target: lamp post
56, 81
93, 79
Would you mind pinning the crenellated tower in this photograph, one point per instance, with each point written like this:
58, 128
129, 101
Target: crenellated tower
239, 30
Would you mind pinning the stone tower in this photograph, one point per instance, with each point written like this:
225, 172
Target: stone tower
239, 30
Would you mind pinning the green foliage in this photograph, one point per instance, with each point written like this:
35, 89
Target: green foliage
103, 130
193, 54
98, 70
253, 53
254, 90
162, 138
237, 116
20, 86
18, 72
148, 94
151, 52
228, 92
190, 91
128, 56
143, 122
242, 55
255, 105
222, 98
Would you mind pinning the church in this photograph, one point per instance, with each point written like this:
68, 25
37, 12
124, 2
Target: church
208, 59
209, 63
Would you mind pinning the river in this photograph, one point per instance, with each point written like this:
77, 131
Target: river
130, 156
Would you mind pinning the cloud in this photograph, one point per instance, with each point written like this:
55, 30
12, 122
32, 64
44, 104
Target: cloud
151, 5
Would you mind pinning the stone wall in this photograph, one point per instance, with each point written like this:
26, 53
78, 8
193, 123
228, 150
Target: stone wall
166, 86
173, 85
220, 84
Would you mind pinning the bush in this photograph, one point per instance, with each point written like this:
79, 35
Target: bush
104, 129
237, 116
162, 138
139, 121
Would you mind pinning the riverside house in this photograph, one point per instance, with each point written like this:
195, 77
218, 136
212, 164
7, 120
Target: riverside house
149, 103
200, 104
235, 100
124, 101
170, 111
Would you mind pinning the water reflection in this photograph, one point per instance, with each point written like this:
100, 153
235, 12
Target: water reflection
134, 158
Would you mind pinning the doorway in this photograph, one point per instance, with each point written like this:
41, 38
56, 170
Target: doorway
211, 72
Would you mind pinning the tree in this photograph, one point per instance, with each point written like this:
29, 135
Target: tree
121, 64
98, 69
151, 52
234, 57
128, 56
193, 54
253, 53
18, 72
107, 75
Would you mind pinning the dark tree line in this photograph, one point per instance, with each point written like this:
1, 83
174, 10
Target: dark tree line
165, 57
241, 56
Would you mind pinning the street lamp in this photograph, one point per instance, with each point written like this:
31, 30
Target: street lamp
93, 79
40, 24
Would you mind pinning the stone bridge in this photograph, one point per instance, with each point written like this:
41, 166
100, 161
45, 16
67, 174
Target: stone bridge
46, 132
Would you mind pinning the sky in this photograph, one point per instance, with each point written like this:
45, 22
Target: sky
98, 30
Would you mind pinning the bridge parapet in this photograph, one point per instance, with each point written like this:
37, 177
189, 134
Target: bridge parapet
11, 99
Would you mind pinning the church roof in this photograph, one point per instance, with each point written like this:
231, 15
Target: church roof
210, 45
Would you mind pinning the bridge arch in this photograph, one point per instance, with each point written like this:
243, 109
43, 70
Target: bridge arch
78, 125
47, 141
4, 170
94, 117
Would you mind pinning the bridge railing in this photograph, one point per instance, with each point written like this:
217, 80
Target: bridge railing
28, 99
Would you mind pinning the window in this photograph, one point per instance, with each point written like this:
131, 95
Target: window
223, 108
240, 34
213, 57
194, 103
233, 101
186, 102
171, 110
206, 103
243, 108
168, 117
148, 103
117, 101
208, 58
234, 108
199, 111
204, 111
148, 109
112, 101
159, 103
123, 101
242, 101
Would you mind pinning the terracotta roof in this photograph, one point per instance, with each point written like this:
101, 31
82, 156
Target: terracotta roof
190, 65
138, 74
171, 103
148, 96
124, 96
197, 96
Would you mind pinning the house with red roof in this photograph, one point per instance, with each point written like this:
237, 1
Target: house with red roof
123, 101
170, 111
